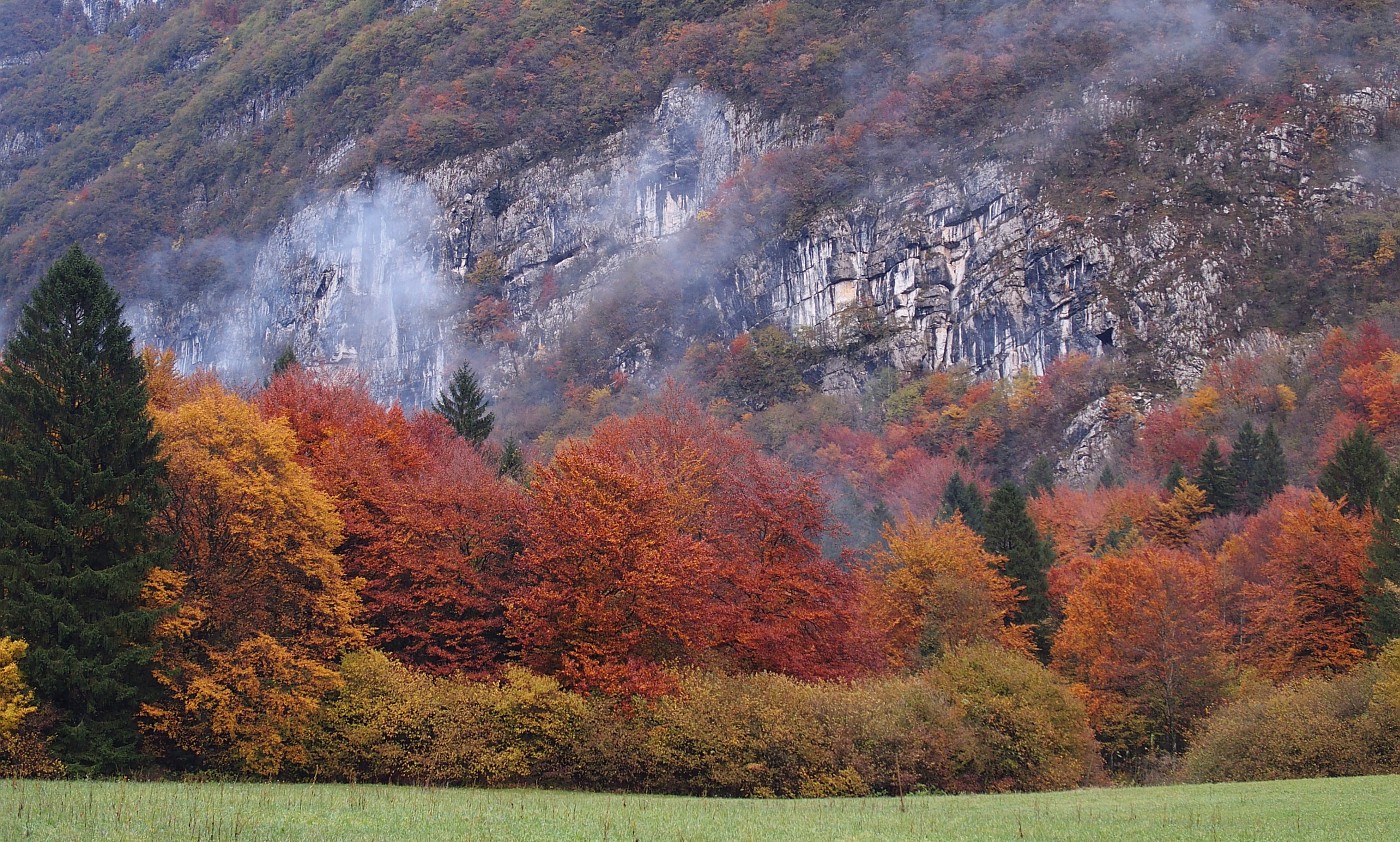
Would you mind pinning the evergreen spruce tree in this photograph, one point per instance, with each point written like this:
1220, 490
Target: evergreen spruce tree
284, 361
80, 481
1213, 477
464, 406
1107, 478
1040, 479
1243, 470
1271, 474
1356, 472
965, 499
512, 462
1383, 577
1010, 532
1174, 478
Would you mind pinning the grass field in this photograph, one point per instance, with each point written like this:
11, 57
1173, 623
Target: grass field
1339, 809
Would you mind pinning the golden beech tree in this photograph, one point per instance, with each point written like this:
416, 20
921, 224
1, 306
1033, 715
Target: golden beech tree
431, 531
16, 700
664, 541
937, 587
1309, 614
258, 606
1143, 635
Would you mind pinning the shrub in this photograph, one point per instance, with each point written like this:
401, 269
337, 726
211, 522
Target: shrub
1027, 730
1305, 729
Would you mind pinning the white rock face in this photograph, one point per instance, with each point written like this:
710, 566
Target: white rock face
963, 269
104, 13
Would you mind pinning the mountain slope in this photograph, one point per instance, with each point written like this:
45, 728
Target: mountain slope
568, 191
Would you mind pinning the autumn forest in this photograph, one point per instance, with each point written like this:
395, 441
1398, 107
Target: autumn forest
676, 590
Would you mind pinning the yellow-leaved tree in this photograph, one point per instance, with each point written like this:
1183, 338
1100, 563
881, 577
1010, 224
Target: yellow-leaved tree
23, 752
938, 587
259, 607
16, 701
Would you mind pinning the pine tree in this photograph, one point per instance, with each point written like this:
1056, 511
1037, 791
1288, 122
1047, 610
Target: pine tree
964, 498
1243, 470
80, 481
464, 406
1010, 532
1213, 477
1357, 472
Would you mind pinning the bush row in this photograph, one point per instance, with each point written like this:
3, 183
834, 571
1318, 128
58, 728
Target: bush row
982, 719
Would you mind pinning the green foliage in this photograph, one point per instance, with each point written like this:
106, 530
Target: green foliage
1383, 575
1256, 470
284, 361
964, 498
464, 406
512, 462
762, 368
1174, 478
1010, 532
79, 484
1356, 473
1108, 479
1214, 478
1270, 472
1040, 478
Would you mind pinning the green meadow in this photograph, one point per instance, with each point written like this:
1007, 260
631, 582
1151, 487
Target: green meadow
1331, 809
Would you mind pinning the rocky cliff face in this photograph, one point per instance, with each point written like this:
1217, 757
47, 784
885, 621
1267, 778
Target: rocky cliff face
962, 269
103, 14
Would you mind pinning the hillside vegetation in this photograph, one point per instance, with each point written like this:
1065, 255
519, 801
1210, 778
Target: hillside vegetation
212, 118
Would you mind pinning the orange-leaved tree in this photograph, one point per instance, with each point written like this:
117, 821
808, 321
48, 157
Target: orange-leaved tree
937, 587
1309, 613
664, 540
259, 607
1143, 636
429, 527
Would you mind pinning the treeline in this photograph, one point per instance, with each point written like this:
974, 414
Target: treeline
300, 582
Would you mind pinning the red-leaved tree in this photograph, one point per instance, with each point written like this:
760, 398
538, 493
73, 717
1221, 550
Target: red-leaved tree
429, 527
663, 541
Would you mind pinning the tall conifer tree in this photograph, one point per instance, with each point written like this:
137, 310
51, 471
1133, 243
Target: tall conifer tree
1244, 469
1356, 472
1010, 532
464, 406
965, 499
1272, 471
1213, 477
1174, 477
79, 483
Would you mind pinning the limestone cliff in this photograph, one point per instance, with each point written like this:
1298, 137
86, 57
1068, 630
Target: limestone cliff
965, 268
